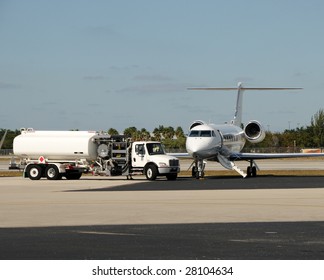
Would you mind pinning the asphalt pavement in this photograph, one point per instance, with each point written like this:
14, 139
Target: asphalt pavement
268, 217
228, 241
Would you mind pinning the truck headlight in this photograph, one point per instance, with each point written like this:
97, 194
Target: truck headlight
162, 164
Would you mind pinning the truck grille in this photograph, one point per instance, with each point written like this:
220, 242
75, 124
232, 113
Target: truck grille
174, 162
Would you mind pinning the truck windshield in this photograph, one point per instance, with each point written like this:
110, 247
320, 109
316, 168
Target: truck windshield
155, 149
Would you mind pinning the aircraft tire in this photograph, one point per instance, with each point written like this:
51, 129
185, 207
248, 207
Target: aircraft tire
249, 171
194, 172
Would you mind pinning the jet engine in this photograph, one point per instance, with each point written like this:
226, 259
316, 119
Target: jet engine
195, 123
254, 132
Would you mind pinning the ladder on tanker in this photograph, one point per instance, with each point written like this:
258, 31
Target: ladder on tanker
119, 155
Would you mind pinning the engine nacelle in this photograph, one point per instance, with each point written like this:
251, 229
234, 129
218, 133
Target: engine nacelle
195, 123
254, 132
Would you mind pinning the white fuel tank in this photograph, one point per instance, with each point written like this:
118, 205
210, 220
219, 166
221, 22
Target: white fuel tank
53, 145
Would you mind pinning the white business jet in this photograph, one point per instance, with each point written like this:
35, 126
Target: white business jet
223, 142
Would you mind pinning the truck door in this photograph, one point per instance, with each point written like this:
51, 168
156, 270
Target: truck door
138, 155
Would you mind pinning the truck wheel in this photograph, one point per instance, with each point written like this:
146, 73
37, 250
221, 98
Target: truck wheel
52, 172
34, 172
151, 172
172, 177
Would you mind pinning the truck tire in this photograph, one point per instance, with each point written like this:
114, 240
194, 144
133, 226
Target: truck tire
34, 172
52, 172
151, 172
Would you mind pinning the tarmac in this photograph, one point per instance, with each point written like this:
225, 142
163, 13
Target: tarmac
267, 217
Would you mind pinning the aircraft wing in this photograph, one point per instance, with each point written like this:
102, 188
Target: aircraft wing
180, 155
252, 156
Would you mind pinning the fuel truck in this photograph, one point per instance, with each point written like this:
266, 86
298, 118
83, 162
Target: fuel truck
69, 154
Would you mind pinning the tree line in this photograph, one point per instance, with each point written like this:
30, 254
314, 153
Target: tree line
174, 138
311, 136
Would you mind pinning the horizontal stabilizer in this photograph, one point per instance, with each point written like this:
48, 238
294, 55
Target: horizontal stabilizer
243, 88
240, 89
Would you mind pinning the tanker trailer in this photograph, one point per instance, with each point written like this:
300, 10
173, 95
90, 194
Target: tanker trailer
55, 154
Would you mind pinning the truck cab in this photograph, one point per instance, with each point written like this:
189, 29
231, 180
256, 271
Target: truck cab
150, 158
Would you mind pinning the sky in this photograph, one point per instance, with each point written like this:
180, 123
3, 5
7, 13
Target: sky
100, 64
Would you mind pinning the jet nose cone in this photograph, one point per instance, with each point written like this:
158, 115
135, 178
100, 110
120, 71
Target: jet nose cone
197, 146
192, 145
204, 143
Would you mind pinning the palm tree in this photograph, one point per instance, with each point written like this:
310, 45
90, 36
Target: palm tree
168, 132
131, 132
179, 132
113, 131
144, 135
157, 133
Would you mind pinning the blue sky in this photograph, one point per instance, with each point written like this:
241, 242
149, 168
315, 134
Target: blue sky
98, 64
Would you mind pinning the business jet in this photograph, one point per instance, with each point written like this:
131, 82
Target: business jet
224, 142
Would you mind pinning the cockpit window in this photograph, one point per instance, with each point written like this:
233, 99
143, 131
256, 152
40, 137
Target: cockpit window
205, 133
194, 133
202, 133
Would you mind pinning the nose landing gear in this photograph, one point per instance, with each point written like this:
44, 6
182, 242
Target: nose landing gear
198, 170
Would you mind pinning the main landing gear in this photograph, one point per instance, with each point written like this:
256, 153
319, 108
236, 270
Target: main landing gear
198, 170
251, 170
